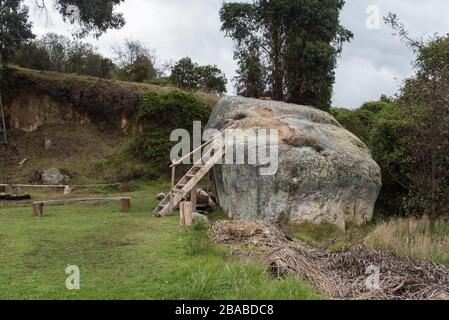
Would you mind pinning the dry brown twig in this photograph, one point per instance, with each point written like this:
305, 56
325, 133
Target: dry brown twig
342, 274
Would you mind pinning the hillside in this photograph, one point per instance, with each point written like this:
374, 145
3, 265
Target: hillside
91, 124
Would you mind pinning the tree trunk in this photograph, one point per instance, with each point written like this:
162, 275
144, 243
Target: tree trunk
278, 77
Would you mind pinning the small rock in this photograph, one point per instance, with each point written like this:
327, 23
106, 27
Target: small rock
161, 196
34, 177
199, 217
53, 177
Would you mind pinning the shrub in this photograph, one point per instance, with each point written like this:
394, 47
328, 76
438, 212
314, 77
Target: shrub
162, 113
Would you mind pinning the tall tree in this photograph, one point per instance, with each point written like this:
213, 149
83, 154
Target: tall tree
14, 28
189, 75
92, 17
299, 41
137, 62
250, 74
425, 101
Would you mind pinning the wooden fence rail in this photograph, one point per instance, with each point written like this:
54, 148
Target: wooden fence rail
38, 206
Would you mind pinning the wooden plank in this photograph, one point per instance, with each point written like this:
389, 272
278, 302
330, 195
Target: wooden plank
203, 170
62, 201
200, 147
64, 186
125, 203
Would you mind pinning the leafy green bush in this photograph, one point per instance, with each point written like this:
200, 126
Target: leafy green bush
161, 113
381, 125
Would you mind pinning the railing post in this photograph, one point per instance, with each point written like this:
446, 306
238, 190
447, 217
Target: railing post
193, 197
172, 196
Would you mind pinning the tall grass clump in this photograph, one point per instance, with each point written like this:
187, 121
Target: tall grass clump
412, 237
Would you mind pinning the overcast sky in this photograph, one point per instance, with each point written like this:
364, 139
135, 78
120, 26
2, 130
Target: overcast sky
374, 63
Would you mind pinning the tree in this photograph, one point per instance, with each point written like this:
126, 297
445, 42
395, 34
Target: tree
184, 75
381, 125
425, 101
189, 75
58, 53
14, 28
136, 61
92, 17
250, 75
212, 79
298, 43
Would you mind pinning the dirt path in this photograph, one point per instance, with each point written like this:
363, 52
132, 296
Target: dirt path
346, 274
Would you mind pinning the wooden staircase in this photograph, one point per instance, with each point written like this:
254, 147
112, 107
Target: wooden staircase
188, 183
190, 180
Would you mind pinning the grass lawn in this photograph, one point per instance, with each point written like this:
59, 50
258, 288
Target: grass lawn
125, 256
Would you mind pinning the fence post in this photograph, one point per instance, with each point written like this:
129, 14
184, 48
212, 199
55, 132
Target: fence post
172, 200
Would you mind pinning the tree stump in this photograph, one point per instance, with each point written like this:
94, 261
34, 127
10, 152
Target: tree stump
125, 204
185, 212
38, 209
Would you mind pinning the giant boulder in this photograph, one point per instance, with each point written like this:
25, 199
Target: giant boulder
325, 173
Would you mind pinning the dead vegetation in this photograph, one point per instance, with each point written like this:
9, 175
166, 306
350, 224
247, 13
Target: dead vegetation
344, 274
412, 237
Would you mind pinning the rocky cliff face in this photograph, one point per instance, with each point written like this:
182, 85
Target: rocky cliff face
325, 173
30, 110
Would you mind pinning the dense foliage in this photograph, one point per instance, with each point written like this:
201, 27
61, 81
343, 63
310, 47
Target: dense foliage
189, 75
286, 49
381, 126
14, 28
162, 113
57, 53
91, 17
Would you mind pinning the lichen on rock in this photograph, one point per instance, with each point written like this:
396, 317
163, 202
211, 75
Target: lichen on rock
325, 173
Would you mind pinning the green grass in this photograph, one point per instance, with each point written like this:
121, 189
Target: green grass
328, 235
125, 256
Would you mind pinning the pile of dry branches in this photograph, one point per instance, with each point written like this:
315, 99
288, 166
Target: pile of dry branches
347, 274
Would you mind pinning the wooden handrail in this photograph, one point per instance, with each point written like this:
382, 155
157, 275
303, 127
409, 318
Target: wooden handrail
62, 201
60, 185
200, 147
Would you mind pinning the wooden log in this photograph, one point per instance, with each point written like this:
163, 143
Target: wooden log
187, 213
125, 204
38, 209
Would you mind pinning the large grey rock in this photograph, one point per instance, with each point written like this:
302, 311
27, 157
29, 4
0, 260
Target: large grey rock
325, 174
53, 177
